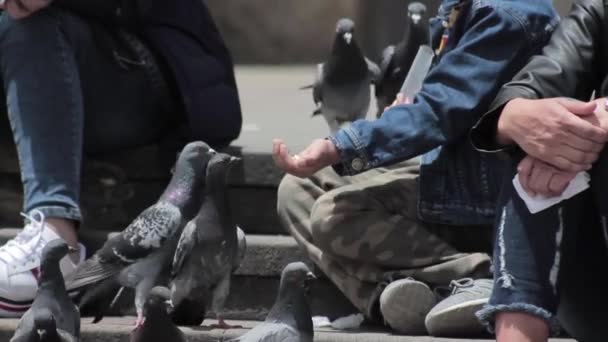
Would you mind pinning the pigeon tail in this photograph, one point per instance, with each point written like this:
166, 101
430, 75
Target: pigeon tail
99, 297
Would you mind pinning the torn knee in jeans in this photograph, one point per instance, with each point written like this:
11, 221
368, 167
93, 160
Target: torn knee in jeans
487, 315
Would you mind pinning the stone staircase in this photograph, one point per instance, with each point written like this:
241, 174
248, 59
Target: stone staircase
117, 187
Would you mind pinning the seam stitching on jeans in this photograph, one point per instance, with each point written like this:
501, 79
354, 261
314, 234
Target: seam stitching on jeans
506, 278
558, 242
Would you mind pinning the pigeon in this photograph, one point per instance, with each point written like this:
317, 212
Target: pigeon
290, 319
53, 316
158, 325
188, 312
207, 252
397, 60
136, 257
341, 89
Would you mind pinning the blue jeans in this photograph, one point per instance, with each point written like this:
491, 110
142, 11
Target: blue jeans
550, 264
66, 95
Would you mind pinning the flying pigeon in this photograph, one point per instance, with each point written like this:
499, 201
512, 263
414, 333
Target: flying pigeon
290, 318
53, 316
397, 60
136, 257
207, 252
158, 325
341, 89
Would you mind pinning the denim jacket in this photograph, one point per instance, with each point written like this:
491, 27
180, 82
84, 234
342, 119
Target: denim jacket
487, 43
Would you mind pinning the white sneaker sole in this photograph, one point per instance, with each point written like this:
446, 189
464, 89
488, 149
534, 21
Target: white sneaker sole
456, 320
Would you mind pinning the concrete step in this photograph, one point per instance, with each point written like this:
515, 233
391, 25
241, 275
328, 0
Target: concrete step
109, 202
118, 330
255, 283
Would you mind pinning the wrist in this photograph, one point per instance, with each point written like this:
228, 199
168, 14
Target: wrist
503, 136
332, 153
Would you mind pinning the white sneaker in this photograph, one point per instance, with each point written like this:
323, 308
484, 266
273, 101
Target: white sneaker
20, 266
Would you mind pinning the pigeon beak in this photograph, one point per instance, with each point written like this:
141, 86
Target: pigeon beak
348, 37
72, 249
310, 276
416, 18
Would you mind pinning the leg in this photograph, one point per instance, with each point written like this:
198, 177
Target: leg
584, 301
527, 263
372, 227
54, 70
520, 327
220, 293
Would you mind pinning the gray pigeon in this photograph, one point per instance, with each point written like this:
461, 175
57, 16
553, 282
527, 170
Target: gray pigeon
289, 319
158, 325
136, 257
53, 316
189, 312
341, 89
397, 60
207, 252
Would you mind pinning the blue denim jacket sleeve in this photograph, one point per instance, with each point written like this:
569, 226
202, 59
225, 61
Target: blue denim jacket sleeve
456, 92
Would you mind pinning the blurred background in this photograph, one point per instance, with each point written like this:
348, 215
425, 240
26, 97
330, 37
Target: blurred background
300, 31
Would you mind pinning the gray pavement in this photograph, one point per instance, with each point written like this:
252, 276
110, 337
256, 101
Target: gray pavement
118, 329
273, 106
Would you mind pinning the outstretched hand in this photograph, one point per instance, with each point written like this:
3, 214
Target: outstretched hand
320, 154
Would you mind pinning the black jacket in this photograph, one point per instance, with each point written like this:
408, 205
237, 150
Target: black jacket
573, 64
184, 34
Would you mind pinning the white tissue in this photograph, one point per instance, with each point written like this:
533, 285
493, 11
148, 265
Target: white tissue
349, 322
539, 203
321, 322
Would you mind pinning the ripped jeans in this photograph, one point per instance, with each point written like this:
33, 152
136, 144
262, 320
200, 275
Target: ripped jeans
553, 260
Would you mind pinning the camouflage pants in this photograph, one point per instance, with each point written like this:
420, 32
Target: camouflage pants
363, 232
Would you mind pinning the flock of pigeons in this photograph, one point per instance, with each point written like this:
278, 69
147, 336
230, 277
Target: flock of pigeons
341, 89
179, 254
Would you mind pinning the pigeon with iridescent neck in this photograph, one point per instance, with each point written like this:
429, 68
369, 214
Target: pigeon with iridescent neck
53, 316
136, 257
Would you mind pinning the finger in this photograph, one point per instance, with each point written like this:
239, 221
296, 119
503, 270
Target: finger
400, 98
584, 129
524, 170
559, 182
540, 178
577, 157
563, 164
578, 107
583, 145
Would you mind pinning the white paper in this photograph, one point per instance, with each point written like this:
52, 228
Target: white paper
349, 322
539, 203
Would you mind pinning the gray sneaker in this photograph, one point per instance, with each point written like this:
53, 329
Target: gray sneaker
404, 303
455, 315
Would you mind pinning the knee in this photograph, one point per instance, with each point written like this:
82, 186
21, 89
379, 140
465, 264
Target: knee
292, 199
32, 34
324, 222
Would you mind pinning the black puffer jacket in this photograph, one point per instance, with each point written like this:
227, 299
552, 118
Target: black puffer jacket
184, 34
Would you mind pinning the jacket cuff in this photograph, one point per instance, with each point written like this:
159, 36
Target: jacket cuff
353, 158
484, 132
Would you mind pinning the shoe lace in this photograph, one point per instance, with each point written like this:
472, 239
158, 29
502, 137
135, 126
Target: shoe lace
23, 248
463, 285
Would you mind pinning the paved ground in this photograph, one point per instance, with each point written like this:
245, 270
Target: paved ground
273, 106
117, 330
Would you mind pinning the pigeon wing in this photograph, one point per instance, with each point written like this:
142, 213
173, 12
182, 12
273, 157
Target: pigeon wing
25, 331
184, 247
